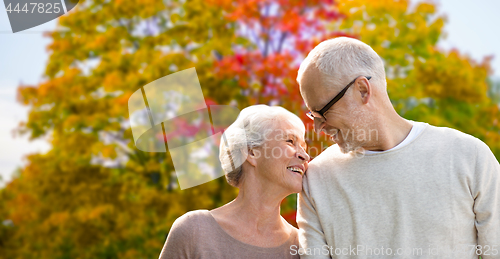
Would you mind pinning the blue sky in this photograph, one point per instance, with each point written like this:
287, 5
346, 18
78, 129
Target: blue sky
471, 28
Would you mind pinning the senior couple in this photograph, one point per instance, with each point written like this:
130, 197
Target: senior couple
418, 191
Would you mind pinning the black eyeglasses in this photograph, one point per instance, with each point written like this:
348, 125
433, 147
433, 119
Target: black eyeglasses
319, 114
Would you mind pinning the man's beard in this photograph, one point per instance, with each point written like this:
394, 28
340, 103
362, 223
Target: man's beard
356, 135
354, 138
348, 145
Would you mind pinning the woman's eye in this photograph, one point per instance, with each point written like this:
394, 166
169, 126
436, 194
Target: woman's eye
290, 141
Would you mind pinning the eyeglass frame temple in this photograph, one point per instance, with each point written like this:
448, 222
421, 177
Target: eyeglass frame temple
339, 95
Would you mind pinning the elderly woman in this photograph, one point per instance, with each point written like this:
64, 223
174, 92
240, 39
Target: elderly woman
263, 155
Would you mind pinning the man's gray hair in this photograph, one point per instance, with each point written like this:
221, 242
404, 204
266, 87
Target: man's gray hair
341, 60
250, 130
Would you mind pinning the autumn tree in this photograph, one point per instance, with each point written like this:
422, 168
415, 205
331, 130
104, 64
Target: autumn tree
94, 195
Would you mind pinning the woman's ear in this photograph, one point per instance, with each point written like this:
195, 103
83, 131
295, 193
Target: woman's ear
252, 156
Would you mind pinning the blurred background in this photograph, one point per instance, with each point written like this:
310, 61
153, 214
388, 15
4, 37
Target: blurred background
74, 185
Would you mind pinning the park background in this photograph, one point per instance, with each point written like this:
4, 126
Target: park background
82, 189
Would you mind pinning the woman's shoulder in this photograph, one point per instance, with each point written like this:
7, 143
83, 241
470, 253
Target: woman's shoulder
183, 238
191, 219
294, 234
189, 226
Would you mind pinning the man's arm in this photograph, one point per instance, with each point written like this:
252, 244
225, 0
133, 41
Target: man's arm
487, 203
311, 236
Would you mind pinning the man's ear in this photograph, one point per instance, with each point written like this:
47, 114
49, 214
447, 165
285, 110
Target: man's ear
252, 156
364, 88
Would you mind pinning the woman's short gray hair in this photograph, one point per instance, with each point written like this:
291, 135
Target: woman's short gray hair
249, 131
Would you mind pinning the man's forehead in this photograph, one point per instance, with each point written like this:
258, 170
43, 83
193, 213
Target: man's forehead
311, 88
310, 76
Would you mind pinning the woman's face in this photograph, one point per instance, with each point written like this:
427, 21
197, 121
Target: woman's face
282, 160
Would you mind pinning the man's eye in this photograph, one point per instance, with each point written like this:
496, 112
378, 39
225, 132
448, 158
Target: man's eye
290, 141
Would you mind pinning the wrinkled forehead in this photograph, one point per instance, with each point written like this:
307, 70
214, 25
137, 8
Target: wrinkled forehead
294, 129
280, 134
312, 88
286, 122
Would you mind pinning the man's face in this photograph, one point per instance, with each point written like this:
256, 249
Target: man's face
346, 121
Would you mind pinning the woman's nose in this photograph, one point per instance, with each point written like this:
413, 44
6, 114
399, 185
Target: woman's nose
302, 154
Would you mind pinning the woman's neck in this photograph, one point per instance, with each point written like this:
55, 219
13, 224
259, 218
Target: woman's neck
260, 211
254, 216
265, 211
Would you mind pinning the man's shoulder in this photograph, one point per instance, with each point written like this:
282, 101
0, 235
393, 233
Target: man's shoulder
446, 134
325, 164
444, 139
331, 151
327, 156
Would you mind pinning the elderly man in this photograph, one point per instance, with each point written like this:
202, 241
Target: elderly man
389, 187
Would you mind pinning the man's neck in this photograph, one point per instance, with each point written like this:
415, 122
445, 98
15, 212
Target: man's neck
390, 131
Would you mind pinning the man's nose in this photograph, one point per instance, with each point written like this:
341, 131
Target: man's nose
318, 125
